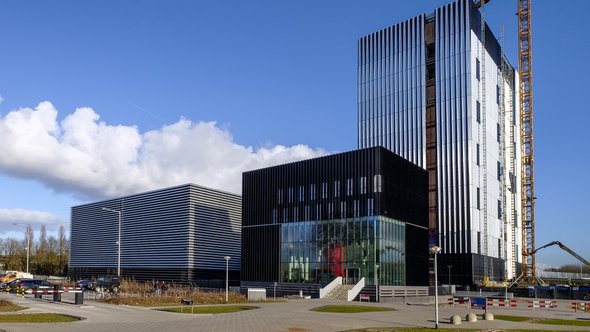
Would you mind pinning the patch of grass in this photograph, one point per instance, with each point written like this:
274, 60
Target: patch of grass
37, 318
513, 318
425, 329
547, 321
350, 309
8, 306
209, 310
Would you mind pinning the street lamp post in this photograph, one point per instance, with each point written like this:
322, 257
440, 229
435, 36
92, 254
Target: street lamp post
28, 242
118, 212
435, 250
227, 258
449, 266
377, 283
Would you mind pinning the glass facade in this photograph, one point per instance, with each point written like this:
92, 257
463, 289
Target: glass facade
352, 248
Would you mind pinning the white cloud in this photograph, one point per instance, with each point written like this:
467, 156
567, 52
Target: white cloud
92, 159
8, 217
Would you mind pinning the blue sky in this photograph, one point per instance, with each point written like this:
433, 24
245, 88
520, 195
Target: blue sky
235, 85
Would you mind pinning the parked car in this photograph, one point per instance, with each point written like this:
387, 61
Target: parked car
83, 284
11, 285
105, 284
29, 284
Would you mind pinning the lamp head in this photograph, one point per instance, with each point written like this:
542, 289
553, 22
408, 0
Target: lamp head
435, 250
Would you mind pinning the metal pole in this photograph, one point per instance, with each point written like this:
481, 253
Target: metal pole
435, 250
449, 266
28, 246
227, 258
118, 212
28, 227
435, 293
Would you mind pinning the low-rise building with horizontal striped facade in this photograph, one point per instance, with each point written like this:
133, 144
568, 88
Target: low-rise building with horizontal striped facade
179, 233
358, 214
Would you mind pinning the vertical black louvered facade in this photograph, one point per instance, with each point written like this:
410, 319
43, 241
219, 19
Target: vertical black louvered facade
176, 234
331, 194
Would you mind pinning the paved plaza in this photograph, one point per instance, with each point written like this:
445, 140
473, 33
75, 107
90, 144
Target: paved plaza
291, 315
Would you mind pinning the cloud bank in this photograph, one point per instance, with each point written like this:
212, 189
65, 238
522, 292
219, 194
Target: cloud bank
8, 217
92, 159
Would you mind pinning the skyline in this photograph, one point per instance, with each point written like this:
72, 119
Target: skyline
264, 83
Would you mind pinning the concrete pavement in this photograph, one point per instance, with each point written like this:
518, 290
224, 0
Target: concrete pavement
292, 315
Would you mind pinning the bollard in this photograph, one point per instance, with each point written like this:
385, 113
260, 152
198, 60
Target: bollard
79, 298
38, 294
456, 320
488, 316
471, 317
56, 294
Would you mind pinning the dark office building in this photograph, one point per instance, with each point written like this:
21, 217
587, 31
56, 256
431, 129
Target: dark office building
176, 234
343, 215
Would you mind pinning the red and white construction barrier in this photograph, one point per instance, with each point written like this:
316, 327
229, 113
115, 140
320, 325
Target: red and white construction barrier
501, 303
581, 306
458, 300
542, 304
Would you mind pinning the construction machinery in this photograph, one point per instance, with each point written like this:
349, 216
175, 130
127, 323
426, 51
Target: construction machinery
564, 248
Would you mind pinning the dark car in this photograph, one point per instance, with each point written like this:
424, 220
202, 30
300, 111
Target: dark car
105, 284
11, 285
29, 284
84, 283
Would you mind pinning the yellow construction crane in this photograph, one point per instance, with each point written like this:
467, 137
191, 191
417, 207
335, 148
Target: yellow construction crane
525, 70
525, 54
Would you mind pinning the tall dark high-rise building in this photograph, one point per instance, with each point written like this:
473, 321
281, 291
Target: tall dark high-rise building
437, 90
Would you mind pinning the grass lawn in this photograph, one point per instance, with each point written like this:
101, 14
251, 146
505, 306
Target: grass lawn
8, 306
37, 318
548, 321
209, 310
350, 309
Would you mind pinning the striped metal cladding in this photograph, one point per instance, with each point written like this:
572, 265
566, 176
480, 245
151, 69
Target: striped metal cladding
187, 229
403, 197
395, 89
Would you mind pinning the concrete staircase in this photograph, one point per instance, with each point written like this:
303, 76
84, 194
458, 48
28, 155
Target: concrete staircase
339, 292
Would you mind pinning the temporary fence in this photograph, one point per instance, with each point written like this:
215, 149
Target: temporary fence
542, 304
490, 302
581, 306
458, 300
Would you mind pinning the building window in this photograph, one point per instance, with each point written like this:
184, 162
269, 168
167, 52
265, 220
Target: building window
280, 196
499, 209
312, 192
349, 187
477, 70
377, 183
363, 185
290, 193
306, 213
477, 199
274, 216
498, 94
295, 214
337, 188
355, 207
324, 189
318, 212
286, 215
499, 170
479, 243
301, 193
330, 211
370, 208
499, 132
478, 111
477, 154
342, 209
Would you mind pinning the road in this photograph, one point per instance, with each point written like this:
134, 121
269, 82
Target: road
291, 315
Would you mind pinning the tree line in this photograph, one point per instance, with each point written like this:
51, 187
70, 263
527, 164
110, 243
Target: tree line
49, 255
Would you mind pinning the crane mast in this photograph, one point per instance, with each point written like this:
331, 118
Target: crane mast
526, 137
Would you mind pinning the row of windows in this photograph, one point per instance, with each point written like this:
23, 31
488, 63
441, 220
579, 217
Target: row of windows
349, 190
305, 213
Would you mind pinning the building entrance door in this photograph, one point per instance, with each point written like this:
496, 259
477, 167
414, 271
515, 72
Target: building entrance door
352, 275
